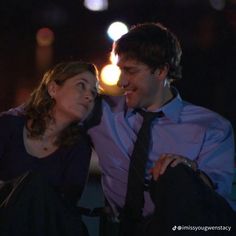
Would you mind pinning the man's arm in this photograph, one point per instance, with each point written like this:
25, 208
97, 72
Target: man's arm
215, 163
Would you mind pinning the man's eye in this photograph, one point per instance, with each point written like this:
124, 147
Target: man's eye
133, 71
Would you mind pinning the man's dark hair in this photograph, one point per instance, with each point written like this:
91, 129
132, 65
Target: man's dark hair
153, 45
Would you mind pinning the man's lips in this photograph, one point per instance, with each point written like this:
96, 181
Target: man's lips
129, 92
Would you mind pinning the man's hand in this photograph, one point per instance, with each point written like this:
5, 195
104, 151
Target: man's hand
165, 159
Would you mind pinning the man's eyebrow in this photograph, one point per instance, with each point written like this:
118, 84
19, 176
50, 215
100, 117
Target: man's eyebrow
128, 67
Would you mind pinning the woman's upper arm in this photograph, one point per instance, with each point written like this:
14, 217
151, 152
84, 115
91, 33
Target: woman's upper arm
5, 131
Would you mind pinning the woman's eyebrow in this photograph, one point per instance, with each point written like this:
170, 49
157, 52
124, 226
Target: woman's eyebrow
83, 79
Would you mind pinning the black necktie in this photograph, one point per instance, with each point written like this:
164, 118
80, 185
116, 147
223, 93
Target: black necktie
136, 179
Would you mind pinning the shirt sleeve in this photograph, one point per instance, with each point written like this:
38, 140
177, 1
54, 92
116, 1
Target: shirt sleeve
216, 158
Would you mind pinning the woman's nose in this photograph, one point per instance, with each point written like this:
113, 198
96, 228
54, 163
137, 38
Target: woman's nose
89, 95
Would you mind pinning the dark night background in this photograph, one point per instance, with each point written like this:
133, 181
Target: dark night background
207, 36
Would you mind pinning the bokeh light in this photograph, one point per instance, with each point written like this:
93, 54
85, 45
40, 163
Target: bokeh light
110, 74
217, 4
116, 30
109, 77
45, 37
96, 5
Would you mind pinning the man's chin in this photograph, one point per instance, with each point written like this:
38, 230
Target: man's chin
130, 104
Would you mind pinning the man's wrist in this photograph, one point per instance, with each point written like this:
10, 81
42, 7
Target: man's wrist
206, 179
191, 164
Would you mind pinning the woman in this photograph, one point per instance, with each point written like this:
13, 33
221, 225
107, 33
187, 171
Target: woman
45, 152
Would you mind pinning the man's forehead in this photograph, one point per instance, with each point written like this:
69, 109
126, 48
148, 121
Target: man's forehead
123, 60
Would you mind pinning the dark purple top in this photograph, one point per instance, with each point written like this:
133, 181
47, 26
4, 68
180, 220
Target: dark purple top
66, 169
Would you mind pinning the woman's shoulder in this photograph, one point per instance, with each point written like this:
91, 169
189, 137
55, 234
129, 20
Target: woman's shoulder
9, 125
8, 121
15, 111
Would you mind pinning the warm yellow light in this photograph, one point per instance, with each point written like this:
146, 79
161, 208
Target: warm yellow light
113, 58
109, 77
110, 74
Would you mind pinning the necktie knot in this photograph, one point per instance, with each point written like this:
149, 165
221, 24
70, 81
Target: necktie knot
148, 116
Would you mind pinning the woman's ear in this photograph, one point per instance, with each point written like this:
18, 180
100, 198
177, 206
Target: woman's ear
52, 89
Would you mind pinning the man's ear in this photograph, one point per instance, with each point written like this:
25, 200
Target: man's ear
52, 89
162, 72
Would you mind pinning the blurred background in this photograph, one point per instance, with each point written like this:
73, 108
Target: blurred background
206, 29
34, 35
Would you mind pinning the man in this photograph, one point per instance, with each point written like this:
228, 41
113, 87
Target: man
192, 147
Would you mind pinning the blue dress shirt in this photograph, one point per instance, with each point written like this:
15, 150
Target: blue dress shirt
186, 129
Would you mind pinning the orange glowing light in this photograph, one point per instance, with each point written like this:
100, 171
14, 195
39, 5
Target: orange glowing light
45, 37
110, 75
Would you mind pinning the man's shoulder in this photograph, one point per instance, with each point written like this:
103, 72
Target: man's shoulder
203, 115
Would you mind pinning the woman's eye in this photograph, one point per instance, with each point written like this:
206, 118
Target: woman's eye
81, 85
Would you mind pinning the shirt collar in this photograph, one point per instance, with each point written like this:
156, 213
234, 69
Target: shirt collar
171, 109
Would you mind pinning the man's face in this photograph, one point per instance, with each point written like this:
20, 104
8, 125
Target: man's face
141, 86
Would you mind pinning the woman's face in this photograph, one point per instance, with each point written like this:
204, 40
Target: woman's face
75, 98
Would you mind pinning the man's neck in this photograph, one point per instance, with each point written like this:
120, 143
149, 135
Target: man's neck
164, 97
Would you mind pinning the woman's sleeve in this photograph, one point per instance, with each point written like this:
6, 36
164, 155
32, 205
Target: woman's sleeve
5, 131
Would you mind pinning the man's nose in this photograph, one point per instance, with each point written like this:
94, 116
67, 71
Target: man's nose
122, 82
